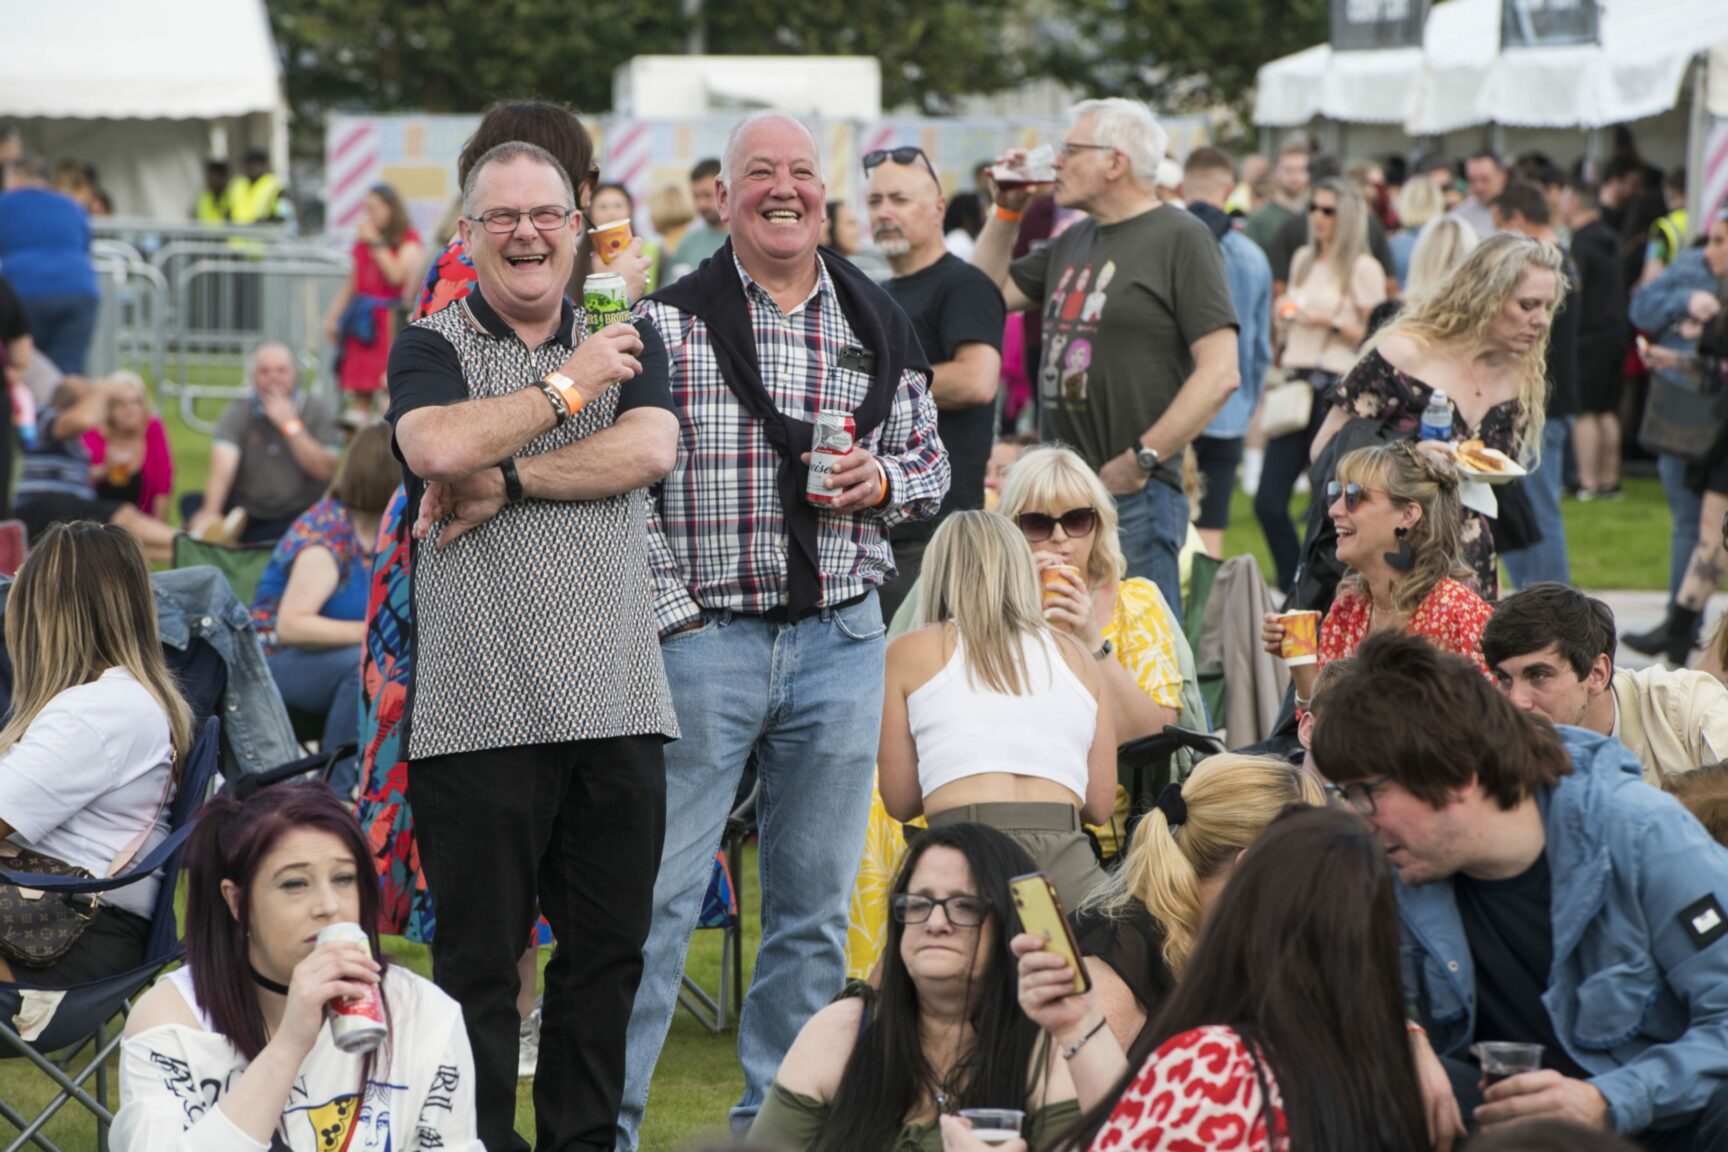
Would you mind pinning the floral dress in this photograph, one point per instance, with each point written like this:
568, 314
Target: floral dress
1451, 617
1201, 1091
1375, 390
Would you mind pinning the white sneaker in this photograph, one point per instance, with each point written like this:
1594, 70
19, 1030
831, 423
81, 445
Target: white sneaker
528, 1046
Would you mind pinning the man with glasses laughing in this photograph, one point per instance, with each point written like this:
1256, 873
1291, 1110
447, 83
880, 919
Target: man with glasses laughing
1139, 333
1547, 896
958, 315
539, 707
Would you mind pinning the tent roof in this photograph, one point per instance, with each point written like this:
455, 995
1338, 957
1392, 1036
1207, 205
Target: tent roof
137, 59
1461, 77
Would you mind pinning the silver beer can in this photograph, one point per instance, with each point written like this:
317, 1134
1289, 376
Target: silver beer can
831, 440
356, 1024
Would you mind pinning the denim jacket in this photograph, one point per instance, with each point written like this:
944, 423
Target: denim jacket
1659, 306
1638, 993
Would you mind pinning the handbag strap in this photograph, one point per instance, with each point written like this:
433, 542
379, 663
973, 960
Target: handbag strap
126, 854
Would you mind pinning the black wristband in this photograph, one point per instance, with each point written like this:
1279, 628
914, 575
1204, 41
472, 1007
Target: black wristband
559, 412
512, 482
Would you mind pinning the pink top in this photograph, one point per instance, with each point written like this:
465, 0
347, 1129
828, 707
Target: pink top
158, 461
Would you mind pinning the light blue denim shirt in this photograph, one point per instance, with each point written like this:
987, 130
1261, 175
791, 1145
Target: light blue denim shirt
1638, 991
1249, 275
1659, 306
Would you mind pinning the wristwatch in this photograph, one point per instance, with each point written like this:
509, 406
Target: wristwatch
512, 482
563, 389
1104, 650
1147, 458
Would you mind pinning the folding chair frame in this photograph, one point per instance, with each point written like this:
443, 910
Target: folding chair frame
715, 1012
71, 1085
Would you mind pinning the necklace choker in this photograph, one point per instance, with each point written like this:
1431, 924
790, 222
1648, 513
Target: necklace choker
268, 984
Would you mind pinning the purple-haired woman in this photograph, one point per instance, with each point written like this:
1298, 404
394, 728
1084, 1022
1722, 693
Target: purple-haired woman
231, 1052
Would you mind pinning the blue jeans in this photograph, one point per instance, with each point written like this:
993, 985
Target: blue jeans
1547, 559
63, 327
325, 683
806, 700
1684, 507
1152, 525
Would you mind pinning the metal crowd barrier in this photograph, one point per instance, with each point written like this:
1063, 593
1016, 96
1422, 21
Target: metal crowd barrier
132, 321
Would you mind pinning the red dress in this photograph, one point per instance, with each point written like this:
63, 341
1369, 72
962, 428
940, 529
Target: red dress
1199, 1092
1451, 617
363, 364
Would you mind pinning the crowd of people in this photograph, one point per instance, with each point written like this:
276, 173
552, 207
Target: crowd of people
584, 586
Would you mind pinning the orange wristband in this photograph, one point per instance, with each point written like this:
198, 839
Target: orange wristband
293, 428
882, 474
1005, 215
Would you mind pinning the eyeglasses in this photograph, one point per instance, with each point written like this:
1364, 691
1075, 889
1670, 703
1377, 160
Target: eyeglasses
1076, 522
904, 155
961, 911
1360, 795
1324, 209
503, 221
1352, 492
1068, 147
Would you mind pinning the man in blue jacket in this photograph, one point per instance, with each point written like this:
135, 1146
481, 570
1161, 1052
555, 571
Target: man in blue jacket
1547, 895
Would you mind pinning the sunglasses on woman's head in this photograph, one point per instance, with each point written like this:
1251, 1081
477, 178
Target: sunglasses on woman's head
1037, 526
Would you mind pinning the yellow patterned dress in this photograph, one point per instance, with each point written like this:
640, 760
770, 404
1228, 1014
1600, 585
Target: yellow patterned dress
1142, 633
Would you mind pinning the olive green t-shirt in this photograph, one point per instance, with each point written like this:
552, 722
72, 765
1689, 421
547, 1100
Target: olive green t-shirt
1122, 305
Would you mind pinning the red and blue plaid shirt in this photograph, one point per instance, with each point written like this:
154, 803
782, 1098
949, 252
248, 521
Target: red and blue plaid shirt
716, 534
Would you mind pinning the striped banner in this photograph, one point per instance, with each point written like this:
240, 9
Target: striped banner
351, 163
1715, 185
629, 161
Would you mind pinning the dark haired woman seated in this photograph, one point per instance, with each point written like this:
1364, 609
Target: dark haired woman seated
873, 1074
232, 1051
96, 731
1288, 1032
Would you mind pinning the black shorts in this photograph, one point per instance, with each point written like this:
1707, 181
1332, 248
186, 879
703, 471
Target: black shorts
41, 511
114, 943
1217, 459
1599, 380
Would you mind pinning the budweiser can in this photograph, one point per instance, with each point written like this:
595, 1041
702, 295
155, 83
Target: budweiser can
357, 1024
605, 300
831, 440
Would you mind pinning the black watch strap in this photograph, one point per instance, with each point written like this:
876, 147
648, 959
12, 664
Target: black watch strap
512, 482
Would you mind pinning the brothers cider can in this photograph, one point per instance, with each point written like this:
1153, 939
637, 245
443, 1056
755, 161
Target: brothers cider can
831, 440
357, 1024
605, 300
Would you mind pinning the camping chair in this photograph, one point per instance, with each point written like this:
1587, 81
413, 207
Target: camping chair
64, 1020
722, 909
14, 543
243, 567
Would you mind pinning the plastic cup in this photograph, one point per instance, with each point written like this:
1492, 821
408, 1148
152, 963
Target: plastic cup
1503, 1058
995, 1125
1301, 638
1038, 167
611, 239
1057, 577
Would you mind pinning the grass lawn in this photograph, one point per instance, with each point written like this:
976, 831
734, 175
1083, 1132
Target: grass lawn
1615, 545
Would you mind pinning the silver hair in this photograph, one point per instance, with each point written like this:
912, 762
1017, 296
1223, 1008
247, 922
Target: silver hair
508, 152
1129, 127
252, 357
750, 121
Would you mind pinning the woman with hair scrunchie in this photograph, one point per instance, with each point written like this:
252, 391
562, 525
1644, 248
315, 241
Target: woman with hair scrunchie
1398, 517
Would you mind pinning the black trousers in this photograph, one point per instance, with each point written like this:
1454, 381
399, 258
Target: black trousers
1285, 462
578, 827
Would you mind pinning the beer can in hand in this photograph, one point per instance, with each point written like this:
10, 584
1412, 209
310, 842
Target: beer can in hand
605, 300
356, 1024
831, 440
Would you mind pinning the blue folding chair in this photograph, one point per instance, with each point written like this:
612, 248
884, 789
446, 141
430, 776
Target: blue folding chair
84, 1014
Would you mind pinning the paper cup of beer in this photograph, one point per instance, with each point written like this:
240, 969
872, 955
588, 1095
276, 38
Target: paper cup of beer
611, 239
1058, 576
1301, 638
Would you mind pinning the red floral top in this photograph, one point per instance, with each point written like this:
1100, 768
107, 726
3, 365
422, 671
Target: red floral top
1198, 1093
1451, 617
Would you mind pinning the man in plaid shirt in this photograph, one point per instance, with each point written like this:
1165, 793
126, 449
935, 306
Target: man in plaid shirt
769, 622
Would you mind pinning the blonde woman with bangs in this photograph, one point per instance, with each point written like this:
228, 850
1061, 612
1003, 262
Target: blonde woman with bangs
1065, 514
1397, 513
1481, 336
992, 716
1137, 932
96, 733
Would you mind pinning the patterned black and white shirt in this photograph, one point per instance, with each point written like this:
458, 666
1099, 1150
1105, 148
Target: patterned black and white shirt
538, 626
716, 531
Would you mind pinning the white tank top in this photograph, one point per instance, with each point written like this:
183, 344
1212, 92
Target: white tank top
962, 728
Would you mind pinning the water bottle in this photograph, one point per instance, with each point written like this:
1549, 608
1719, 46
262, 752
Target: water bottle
1437, 418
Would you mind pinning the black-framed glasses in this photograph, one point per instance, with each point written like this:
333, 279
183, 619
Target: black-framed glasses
1068, 147
1359, 794
1076, 522
961, 911
503, 221
1324, 209
1352, 492
906, 155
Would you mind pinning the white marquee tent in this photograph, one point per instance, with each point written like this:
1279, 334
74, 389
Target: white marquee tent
144, 89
